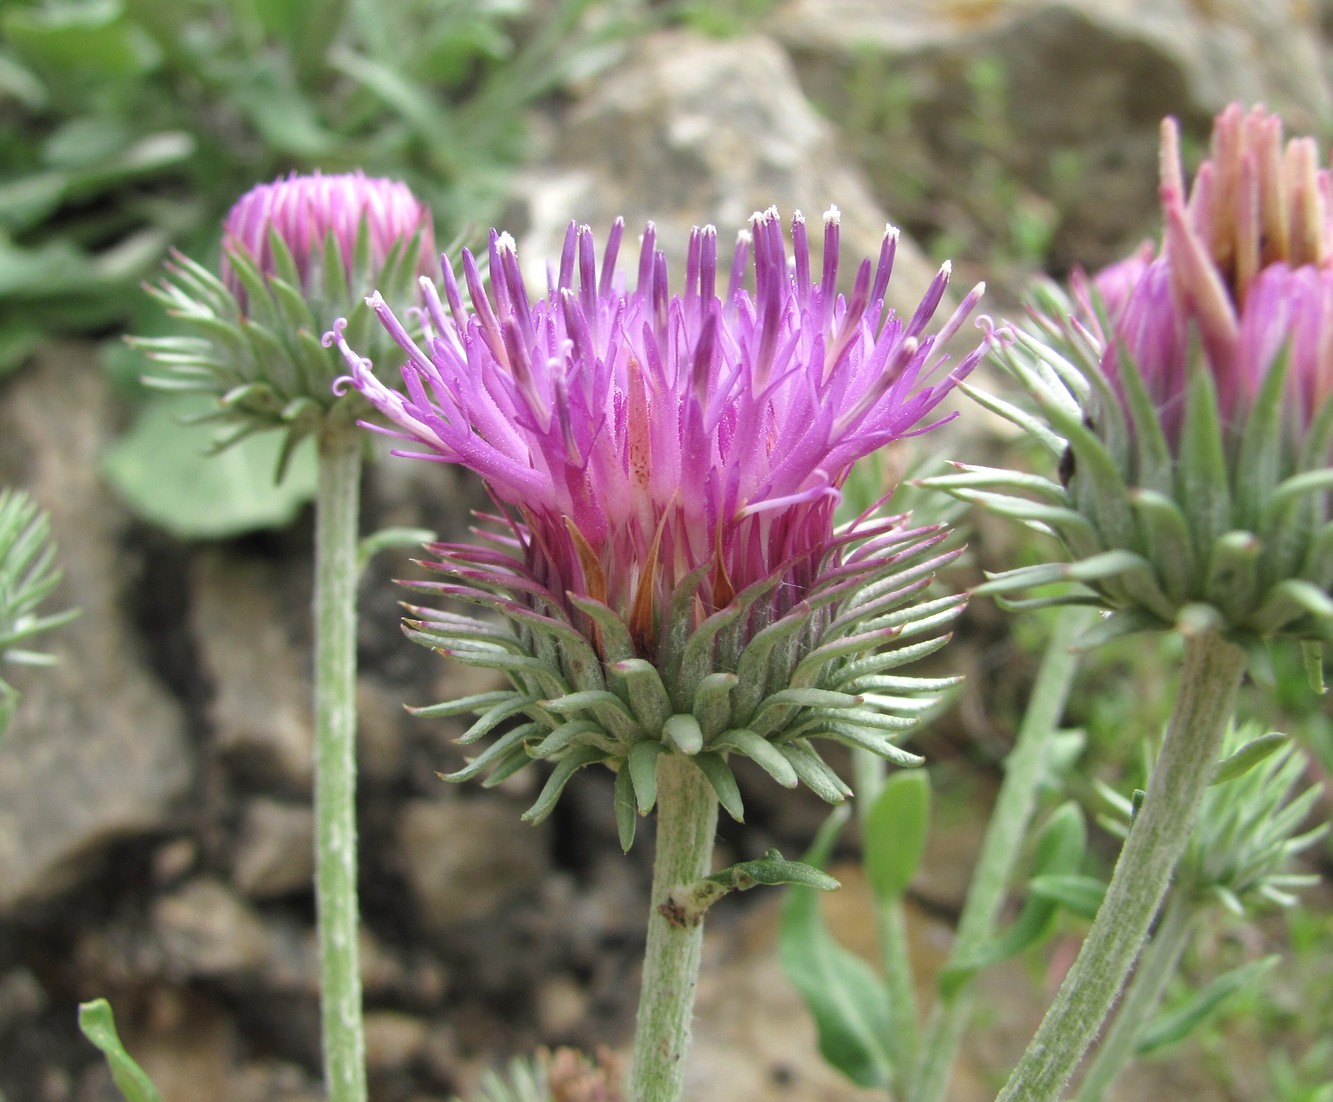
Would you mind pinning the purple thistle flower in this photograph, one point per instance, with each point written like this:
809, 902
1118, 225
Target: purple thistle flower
1187, 395
669, 466
306, 212
1244, 270
643, 435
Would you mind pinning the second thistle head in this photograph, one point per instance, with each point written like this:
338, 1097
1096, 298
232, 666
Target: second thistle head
1186, 392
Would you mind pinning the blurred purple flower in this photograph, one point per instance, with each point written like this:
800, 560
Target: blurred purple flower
307, 212
644, 436
1188, 398
1244, 271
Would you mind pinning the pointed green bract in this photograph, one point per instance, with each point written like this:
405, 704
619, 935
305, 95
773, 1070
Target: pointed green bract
753, 697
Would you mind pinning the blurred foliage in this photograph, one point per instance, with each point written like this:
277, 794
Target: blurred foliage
28, 575
127, 126
982, 204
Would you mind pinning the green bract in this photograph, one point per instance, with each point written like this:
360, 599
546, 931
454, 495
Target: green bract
28, 574
726, 686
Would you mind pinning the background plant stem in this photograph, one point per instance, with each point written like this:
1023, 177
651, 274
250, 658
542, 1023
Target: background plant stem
869, 771
1208, 683
336, 526
1023, 771
686, 826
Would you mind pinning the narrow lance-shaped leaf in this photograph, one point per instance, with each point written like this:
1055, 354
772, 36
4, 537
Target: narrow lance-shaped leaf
843, 993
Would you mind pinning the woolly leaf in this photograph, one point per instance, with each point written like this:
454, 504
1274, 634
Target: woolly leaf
1247, 757
844, 995
1175, 1025
895, 833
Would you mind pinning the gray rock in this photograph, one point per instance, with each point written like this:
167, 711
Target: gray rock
97, 752
992, 119
274, 852
261, 678
465, 857
204, 930
688, 130
393, 1039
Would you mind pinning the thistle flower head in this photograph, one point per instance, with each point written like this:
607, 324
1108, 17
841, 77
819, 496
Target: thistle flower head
672, 462
1186, 393
1244, 271
295, 254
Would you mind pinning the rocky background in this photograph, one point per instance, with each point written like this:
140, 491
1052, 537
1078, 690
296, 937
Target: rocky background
155, 830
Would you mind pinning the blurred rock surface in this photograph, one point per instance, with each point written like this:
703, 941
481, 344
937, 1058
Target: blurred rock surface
97, 753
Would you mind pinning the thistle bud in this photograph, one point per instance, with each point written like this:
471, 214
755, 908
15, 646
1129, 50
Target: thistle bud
296, 253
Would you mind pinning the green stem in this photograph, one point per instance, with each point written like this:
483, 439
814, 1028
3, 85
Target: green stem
1142, 997
1209, 680
895, 955
686, 825
336, 526
868, 772
1023, 771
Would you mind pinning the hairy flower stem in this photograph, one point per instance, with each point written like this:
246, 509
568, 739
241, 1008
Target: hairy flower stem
1023, 771
336, 527
686, 825
1209, 680
1142, 997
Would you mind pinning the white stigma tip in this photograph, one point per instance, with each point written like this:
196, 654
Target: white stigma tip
505, 244
709, 230
833, 216
797, 218
374, 300
946, 269
890, 230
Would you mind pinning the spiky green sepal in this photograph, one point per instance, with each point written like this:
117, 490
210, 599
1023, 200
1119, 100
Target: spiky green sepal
1225, 528
28, 574
1251, 825
260, 353
760, 678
